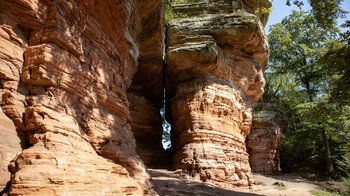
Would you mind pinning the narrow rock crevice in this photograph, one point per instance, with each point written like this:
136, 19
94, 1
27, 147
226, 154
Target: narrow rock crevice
83, 83
212, 84
6, 190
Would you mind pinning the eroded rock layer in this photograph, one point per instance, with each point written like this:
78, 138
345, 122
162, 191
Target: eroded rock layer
65, 67
265, 140
81, 86
204, 7
214, 69
146, 92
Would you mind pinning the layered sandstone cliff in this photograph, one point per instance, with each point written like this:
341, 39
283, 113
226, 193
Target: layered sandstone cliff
265, 140
146, 93
65, 67
82, 83
215, 65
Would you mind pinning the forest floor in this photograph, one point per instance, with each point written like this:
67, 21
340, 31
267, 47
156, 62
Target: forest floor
170, 183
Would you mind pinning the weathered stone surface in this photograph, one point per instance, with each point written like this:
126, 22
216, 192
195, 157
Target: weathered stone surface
61, 161
12, 45
150, 33
215, 67
147, 128
65, 67
146, 93
82, 83
10, 146
204, 7
265, 140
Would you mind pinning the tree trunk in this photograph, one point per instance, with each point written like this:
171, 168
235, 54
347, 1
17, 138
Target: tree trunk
327, 155
308, 91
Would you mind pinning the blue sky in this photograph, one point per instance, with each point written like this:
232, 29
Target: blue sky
281, 10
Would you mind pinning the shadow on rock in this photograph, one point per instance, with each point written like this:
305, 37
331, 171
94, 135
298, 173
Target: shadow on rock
169, 183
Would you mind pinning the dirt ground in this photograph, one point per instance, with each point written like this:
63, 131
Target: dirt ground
169, 183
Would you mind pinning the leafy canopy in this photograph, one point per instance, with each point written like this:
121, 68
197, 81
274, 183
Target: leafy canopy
307, 64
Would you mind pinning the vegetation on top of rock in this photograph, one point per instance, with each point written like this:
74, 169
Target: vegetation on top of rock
170, 14
263, 10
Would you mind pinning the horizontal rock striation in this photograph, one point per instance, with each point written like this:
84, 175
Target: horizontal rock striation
82, 83
65, 67
265, 140
214, 70
204, 7
146, 92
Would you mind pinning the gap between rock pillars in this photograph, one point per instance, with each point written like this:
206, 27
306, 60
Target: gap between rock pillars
166, 136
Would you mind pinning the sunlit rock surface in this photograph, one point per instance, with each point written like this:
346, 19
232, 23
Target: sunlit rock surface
214, 70
82, 83
65, 67
265, 140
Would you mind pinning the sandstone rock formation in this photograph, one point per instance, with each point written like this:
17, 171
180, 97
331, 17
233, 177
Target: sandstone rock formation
10, 146
65, 67
203, 7
265, 140
82, 83
146, 92
214, 70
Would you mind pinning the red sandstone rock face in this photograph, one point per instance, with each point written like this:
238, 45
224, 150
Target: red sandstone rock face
264, 142
215, 67
146, 92
81, 80
10, 146
147, 128
65, 67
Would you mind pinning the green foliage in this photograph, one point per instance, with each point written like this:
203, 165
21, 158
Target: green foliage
301, 79
346, 183
279, 187
171, 15
343, 163
326, 12
263, 10
337, 62
319, 192
296, 45
182, 2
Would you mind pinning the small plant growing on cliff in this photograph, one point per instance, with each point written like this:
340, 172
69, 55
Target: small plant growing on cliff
183, 2
263, 10
171, 15
169, 12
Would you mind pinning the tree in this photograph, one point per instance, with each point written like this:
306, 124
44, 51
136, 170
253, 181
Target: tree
302, 80
337, 61
326, 12
297, 44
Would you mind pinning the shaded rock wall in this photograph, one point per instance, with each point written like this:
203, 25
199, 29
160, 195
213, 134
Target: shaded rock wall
214, 70
10, 145
81, 86
65, 67
146, 92
265, 140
